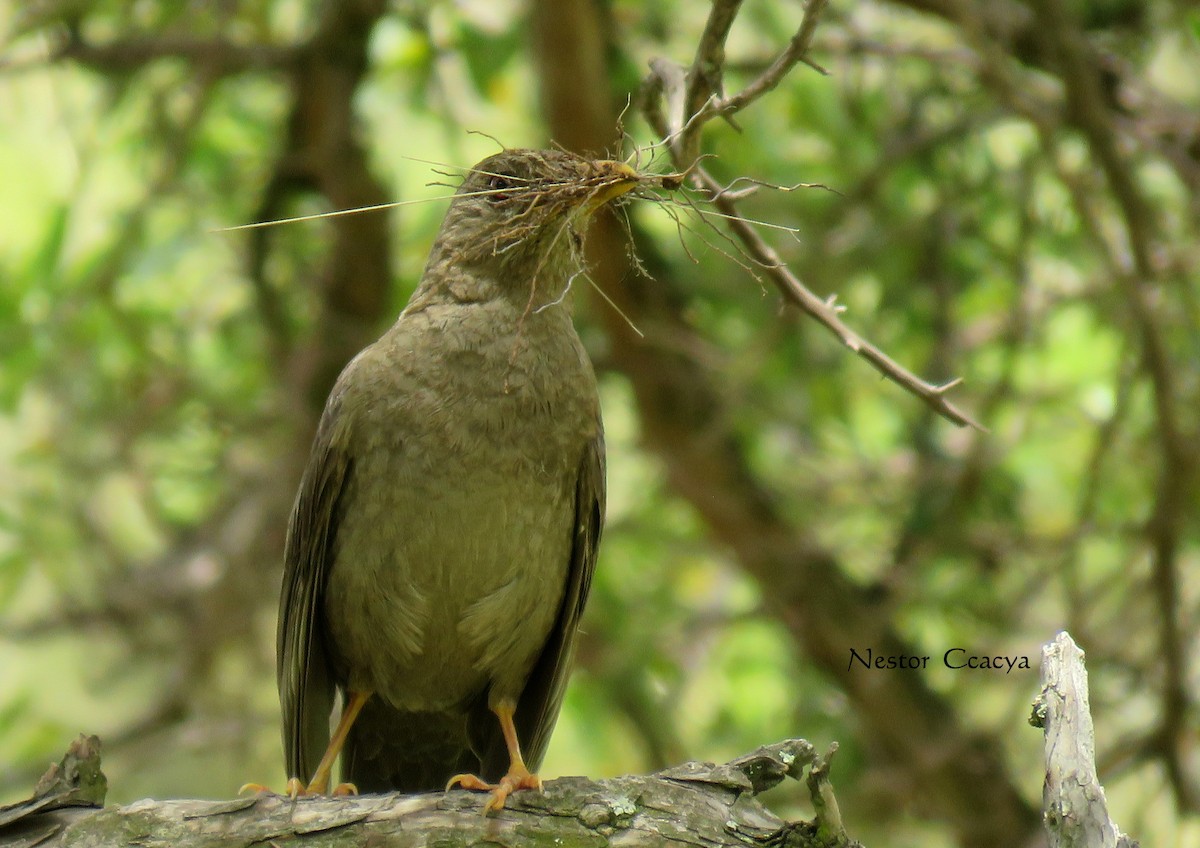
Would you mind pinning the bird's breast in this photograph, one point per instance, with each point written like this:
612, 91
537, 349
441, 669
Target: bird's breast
456, 528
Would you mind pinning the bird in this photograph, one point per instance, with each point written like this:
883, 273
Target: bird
444, 536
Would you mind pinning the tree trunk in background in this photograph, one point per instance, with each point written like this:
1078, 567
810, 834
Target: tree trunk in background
949, 772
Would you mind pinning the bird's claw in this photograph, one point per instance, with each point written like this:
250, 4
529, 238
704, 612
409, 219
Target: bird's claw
295, 788
510, 783
468, 781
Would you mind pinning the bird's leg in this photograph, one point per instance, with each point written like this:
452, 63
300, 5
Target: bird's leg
518, 777
320, 779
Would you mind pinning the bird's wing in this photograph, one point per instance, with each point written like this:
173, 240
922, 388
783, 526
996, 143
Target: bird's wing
306, 688
542, 697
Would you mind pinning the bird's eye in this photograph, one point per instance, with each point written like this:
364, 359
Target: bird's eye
498, 187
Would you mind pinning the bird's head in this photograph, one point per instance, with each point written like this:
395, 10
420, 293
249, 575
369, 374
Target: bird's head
528, 204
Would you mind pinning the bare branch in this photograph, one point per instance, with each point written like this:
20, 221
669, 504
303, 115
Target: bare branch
708, 67
668, 86
793, 289
699, 98
783, 64
219, 57
1076, 811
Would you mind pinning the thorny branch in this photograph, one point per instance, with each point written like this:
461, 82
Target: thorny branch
691, 101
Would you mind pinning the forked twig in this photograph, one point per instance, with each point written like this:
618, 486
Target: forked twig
678, 105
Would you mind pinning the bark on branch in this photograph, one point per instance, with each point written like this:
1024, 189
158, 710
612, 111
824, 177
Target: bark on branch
1075, 809
692, 804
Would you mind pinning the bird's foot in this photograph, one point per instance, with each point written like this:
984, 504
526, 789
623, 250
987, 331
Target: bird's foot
518, 777
296, 789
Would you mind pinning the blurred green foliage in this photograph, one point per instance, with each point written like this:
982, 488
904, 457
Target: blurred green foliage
146, 427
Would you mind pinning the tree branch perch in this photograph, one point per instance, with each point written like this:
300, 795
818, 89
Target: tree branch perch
688, 805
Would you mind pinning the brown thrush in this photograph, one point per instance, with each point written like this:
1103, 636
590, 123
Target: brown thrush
443, 539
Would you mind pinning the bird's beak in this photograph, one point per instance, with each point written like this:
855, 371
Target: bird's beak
616, 178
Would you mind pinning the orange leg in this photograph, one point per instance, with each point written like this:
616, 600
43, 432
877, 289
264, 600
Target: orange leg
320, 780
518, 777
